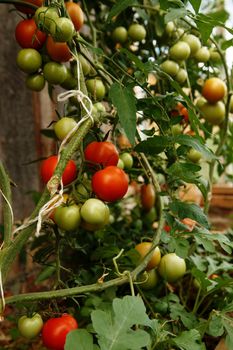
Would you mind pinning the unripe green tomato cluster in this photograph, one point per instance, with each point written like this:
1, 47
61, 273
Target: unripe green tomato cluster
135, 32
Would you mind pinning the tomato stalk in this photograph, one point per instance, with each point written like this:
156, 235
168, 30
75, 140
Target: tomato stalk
8, 217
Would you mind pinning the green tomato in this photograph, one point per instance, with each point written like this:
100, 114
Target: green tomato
231, 104
149, 279
181, 76
120, 35
29, 60
86, 67
62, 29
150, 216
170, 67
137, 32
55, 73
180, 51
170, 28
120, 164
70, 83
193, 42
96, 88
63, 126
94, 211
172, 267
202, 55
177, 129
44, 16
67, 217
215, 56
214, 113
30, 327
35, 82
127, 160
194, 155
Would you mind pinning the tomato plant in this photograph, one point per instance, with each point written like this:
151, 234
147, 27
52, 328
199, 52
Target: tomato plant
110, 184
55, 331
48, 167
102, 153
28, 35
30, 327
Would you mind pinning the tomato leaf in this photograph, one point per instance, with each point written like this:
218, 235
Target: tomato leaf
120, 6
175, 14
114, 327
189, 210
153, 145
124, 100
80, 337
196, 4
189, 340
216, 328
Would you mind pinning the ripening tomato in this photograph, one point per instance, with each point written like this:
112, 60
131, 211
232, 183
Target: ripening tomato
62, 29
102, 153
148, 196
27, 9
110, 183
148, 279
48, 167
55, 330
76, 14
214, 89
143, 249
30, 327
28, 35
95, 212
58, 52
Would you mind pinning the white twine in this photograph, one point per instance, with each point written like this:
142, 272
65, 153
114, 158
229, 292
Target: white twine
2, 292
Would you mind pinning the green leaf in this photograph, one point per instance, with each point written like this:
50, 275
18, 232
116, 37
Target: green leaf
228, 325
201, 278
124, 100
180, 246
80, 337
154, 145
215, 326
195, 4
177, 311
144, 67
206, 241
185, 172
189, 210
195, 143
189, 340
114, 329
120, 6
175, 14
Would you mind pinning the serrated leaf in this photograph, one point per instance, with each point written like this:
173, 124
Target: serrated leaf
114, 328
180, 246
120, 6
177, 311
124, 100
189, 210
195, 4
185, 172
189, 340
80, 337
206, 242
153, 145
195, 143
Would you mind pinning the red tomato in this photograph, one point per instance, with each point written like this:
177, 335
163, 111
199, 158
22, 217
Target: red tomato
110, 184
48, 166
58, 52
28, 35
27, 9
55, 330
103, 153
76, 14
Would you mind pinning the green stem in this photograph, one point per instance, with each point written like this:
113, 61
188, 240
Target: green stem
7, 208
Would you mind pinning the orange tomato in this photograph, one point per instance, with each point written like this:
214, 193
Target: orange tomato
143, 249
148, 196
76, 14
57, 51
214, 90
